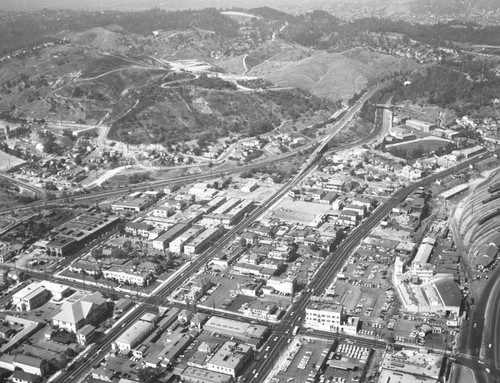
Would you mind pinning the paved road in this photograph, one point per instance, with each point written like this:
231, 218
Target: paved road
481, 338
98, 351
333, 265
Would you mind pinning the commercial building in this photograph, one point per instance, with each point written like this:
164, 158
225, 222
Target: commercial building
229, 213
230, 358
73, 234
32, 296
174, 348
324, 316
203, 240
134, 335
419, 363
163, 241
252, 334
135, 205
177, 245
329, 317
283, 285
199, 375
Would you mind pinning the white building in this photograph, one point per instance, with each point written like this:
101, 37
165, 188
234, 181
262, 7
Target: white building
125, 275
177, 245
282, 285
329, 317
133, 335
200, 242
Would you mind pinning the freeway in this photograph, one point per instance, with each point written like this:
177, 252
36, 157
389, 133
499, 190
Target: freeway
334, 263
481, 348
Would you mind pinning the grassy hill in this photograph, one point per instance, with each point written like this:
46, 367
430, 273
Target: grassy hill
333, 75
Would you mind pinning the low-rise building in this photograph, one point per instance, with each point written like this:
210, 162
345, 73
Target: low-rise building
73, 234
31, 364
252, 334
230, 358
32, 296
134, 335
193, 374
203, 240
285, 285
85, 267
414, 362
163, 241
127, 275
138, 229
135, 205
87, 310
25, 377
177, 245
324, 316
85, 335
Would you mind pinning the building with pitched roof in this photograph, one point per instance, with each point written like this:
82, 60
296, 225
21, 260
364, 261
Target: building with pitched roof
31, 364
87, 310
25, 377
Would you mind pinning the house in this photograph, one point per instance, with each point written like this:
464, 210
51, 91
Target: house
140, 229
31, 364
87, 310
25, 377
85, 267
85, 335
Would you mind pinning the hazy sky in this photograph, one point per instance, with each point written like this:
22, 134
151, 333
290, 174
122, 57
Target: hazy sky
27, 5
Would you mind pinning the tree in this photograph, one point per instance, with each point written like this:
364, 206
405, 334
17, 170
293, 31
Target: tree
149, 374
96, 253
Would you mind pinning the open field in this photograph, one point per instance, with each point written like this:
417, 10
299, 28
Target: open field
8, 161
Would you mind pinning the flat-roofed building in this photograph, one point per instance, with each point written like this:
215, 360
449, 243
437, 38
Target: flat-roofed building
324, 316
230, 358
253, 334
201, 242
73, 235
163, 241
283, 285
134, 335
414, 362
420, 125
177, 245
123, 274
175, 347
229, 213
199, 375
135, 205
32, 296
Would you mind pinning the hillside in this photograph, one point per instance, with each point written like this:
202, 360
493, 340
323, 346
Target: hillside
333, 75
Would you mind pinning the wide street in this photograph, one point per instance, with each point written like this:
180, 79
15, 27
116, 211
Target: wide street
333, 265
